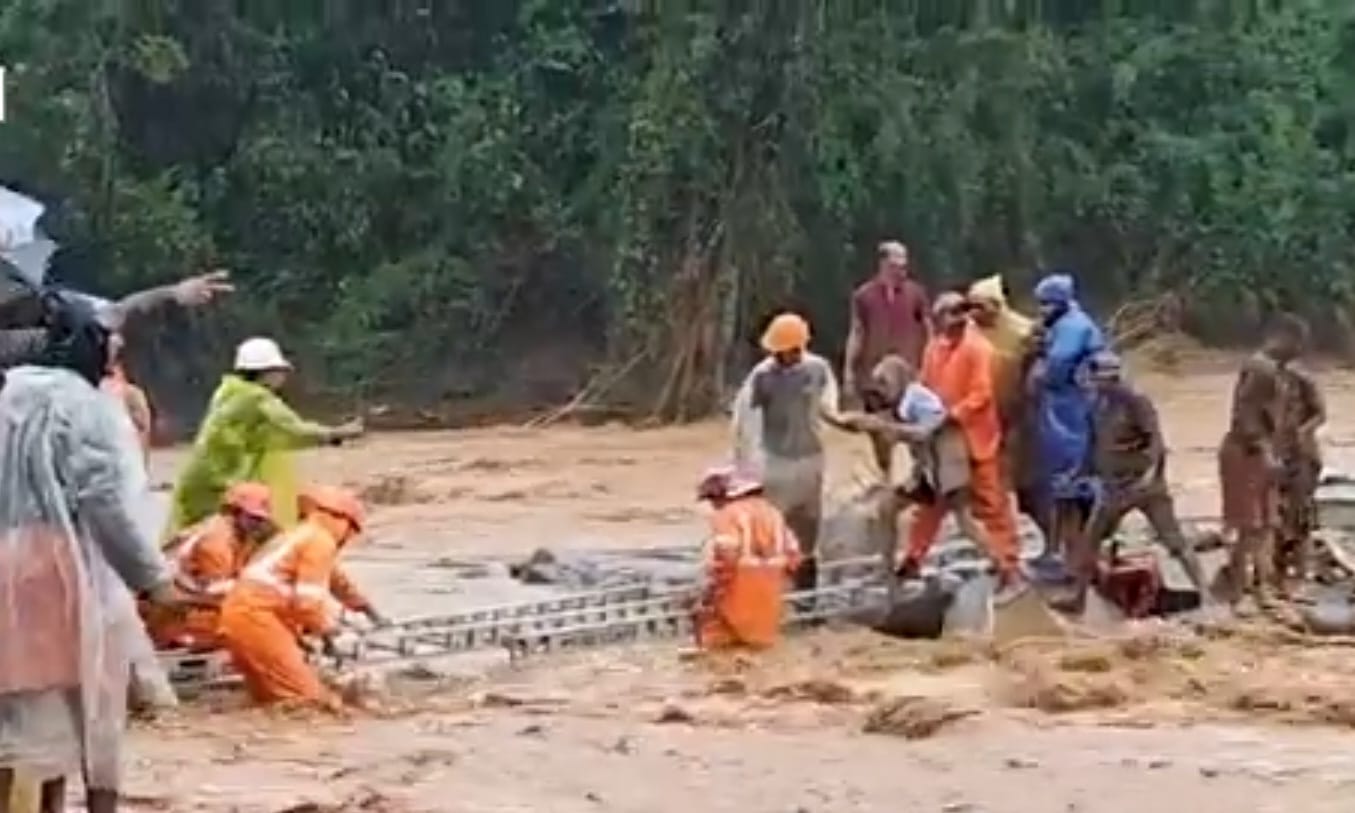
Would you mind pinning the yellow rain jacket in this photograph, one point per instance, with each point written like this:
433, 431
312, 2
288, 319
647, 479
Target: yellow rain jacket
249, 434
1007, 336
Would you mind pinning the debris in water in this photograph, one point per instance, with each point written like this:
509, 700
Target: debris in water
1057, 692
540, 568
673, 713
394, 489
914, 717
1094, 660
817, 690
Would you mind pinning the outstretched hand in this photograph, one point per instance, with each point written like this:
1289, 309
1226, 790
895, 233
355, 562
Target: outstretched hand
202, 289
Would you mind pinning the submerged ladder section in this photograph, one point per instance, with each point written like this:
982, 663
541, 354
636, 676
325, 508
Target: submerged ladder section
624, 614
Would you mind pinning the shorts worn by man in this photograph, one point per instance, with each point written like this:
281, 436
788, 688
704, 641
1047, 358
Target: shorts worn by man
1130, 462
778, 419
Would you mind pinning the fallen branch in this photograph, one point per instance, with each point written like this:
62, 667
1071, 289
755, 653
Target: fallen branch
596, 387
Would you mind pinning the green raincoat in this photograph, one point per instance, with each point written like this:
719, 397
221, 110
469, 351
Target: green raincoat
249, 434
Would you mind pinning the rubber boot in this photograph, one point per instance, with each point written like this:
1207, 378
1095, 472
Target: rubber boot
807, 578
807, 575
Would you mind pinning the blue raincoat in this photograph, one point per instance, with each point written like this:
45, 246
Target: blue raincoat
1065, 410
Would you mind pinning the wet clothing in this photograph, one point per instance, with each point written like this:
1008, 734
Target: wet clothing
1248, 487
1130, 465
1303, 410
778, 425
790, 401
249, 434
1064, 418
205, 560
921, 406
73, 539
892, 318
960, 372
1008, 335
749, 557
286, 591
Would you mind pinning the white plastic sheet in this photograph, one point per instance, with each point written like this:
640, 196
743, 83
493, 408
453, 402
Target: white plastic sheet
68, 626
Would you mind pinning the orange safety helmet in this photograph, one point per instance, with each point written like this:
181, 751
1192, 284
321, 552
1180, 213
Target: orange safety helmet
785, 333
253, 499
340, 502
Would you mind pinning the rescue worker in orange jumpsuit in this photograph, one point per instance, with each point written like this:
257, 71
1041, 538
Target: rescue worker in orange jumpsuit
749, 557
286, 592
958, 366
205, 561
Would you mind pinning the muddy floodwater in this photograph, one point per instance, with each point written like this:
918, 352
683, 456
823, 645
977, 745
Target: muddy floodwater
1158, 716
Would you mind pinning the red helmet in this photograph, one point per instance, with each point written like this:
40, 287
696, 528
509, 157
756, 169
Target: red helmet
253, 499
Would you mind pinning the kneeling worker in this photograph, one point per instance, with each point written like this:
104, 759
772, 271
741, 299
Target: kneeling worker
749, 557
284, 593
205, 561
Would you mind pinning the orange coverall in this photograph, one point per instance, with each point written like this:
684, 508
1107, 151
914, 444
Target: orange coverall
282, 594
205, 560
749, 556
960, 371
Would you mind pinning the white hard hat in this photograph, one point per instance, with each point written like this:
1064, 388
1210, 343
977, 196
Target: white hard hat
258, 355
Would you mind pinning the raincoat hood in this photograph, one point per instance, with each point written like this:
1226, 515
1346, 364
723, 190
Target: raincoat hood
1056, 289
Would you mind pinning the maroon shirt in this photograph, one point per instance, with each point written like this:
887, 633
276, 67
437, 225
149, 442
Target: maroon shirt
893, 319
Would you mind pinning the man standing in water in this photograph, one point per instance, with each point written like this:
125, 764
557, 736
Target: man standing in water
778, 418
889, 316
1130, 462
1303, 412
1012, 337
958, 367
1249, 466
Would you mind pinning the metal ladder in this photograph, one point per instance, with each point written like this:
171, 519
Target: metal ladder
627, 613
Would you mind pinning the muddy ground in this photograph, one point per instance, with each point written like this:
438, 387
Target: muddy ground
1240, 718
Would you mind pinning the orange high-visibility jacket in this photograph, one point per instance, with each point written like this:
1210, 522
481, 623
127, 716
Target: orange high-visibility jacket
296, 577
205, 561
960, 371
749, 555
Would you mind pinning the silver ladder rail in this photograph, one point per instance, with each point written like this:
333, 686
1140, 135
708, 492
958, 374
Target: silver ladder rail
629, 612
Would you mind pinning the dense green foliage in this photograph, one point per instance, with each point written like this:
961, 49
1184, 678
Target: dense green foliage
439, 198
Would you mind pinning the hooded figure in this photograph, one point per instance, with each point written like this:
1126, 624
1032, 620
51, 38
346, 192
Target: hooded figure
1065, 411
249, 434
72, 543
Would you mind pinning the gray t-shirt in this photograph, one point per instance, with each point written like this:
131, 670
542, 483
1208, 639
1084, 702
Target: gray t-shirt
790, 400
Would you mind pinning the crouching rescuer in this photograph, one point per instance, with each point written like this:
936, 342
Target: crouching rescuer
287, 592
205, 560
749, 558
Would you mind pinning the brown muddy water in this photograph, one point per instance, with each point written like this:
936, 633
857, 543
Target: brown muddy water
1208, 719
